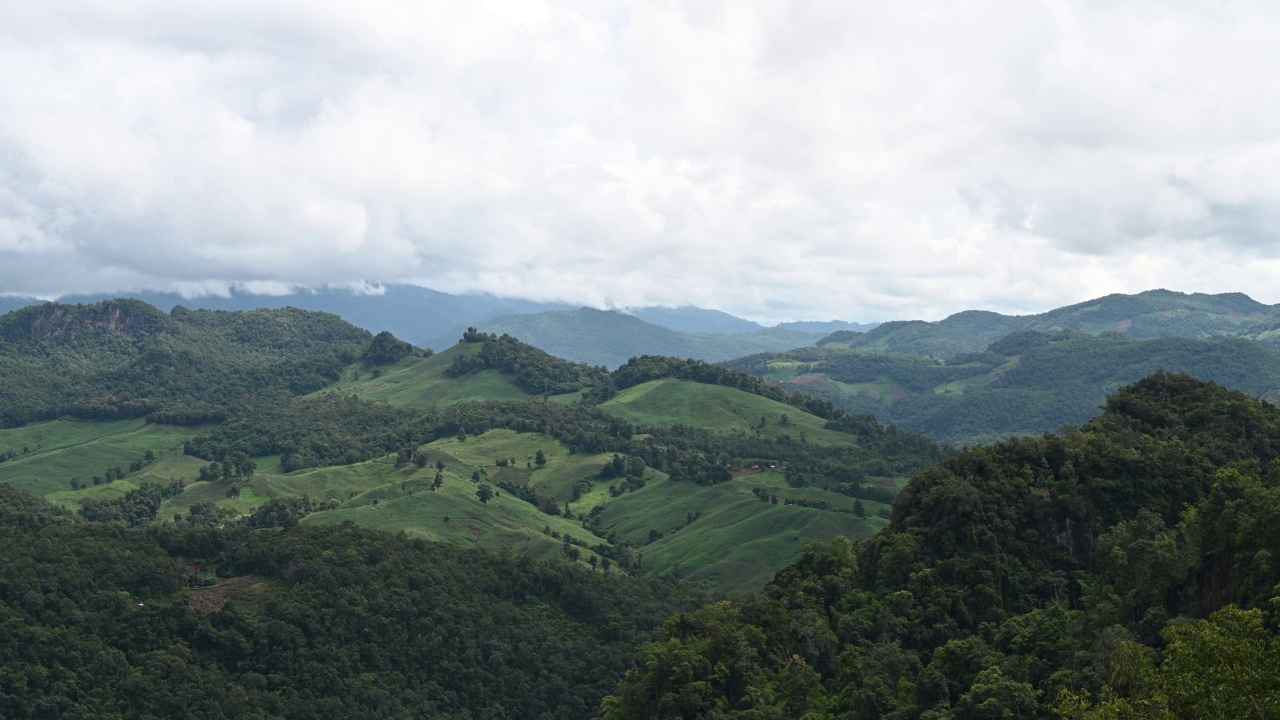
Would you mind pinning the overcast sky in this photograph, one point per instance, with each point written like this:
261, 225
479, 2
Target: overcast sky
776, 160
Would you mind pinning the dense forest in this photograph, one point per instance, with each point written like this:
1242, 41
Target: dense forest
101, 621
1120, 570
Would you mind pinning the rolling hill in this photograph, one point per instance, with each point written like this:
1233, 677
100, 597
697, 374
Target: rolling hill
665, 466
1027, 383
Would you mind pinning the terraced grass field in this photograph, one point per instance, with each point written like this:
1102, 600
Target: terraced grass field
738, 542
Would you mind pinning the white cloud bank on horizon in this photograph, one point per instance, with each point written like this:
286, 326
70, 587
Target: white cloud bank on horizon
775, 160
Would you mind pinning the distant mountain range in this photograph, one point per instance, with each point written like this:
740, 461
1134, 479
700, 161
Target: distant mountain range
610, 338
1145, 316
1026, 383
429, 318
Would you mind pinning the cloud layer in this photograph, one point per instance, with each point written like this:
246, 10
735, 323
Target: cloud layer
776, 160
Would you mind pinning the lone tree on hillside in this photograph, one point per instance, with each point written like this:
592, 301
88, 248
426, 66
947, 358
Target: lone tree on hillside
485, 494
540, 459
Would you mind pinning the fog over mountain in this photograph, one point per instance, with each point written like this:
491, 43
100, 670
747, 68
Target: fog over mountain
774, 161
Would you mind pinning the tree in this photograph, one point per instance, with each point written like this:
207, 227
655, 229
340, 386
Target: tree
462, 435
1226, 666
485, 494
540, 460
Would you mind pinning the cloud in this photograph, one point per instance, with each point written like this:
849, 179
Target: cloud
775, 160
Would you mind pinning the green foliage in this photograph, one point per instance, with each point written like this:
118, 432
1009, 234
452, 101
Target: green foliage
1012, 574
386, 349
532, 370
126, 359
136, 507
333, 622
1027, 383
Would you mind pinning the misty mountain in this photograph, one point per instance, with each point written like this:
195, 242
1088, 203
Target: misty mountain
600, 337
427, 317
829, 326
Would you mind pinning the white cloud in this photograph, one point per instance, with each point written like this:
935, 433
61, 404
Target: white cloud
776, 160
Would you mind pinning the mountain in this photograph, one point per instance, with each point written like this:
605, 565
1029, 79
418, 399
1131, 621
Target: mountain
1026, 383
695, 320
610, 338
828, 327
428, 318
1147, 315
123, 358
407, 311
1123, 563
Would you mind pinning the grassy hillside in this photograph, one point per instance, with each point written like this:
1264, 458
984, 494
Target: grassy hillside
422, 383
49, 455
670, 402
725, 533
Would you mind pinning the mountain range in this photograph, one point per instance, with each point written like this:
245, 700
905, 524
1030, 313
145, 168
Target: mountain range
429, 318
1144, 316
274, 513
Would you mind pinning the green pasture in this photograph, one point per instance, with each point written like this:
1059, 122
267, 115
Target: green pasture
60, 450
718, 408
421, 382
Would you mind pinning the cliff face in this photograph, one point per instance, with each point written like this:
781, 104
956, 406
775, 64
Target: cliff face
60, 324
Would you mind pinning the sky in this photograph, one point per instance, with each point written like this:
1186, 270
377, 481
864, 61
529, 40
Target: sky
776, 160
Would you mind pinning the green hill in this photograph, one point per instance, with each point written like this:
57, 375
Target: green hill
1024, 384
725, 409
423, 382
125, 359
1148, 315
1117, 570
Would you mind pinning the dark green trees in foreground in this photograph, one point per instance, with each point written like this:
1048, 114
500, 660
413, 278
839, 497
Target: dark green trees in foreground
103, 621
1123, 570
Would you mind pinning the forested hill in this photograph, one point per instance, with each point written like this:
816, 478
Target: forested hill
1128, 564
1025, 383
125, 358
1147, 315
101, 621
